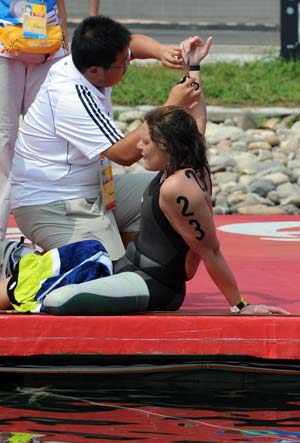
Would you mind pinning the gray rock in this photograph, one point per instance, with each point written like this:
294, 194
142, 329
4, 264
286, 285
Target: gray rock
221, 162
216, 133
277, 178
130, 116
274, 197
260, 209
122, 126
291, 209
273, 140
226, 177
252, 199
294, 164
264, 154
239, 146
291, 200
256, 146
288, 190
246, 120
134, 125
221, 210
273, 168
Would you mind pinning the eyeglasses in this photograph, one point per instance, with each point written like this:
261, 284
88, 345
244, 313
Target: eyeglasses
125, 63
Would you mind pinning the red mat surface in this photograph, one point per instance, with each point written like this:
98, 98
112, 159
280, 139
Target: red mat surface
264, 254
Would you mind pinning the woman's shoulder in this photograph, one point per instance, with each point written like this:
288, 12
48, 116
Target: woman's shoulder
183, 182
182, 194
181, 179
173, 181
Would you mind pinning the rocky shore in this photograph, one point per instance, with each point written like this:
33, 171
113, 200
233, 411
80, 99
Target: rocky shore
255, 166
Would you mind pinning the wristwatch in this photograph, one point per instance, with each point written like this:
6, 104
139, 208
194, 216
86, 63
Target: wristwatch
239, 306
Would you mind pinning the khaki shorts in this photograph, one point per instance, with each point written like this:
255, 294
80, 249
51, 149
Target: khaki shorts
62, 222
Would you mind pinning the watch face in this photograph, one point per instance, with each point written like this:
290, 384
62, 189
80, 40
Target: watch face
16, 8
234, 309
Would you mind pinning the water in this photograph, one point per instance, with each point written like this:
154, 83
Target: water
211, 406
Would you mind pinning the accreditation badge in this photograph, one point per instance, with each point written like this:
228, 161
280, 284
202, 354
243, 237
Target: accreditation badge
107, 184
34, 14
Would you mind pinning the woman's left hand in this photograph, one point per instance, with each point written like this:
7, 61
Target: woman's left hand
262, 310
194, 50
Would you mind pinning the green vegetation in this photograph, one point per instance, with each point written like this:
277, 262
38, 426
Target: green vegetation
259, 83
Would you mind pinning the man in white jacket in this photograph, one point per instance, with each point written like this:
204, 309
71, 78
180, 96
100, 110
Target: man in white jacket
69, 133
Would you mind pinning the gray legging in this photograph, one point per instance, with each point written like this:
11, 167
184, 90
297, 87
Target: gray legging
124, 293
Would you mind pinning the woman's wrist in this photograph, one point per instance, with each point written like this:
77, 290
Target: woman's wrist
194, 68
239, 306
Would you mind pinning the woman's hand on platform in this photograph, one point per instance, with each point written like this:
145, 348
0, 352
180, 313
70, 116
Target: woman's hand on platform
262, 310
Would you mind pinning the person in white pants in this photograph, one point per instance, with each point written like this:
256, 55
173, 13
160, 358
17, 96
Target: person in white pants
21, 77
94, 7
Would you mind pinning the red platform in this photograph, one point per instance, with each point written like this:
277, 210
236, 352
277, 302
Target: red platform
264, 254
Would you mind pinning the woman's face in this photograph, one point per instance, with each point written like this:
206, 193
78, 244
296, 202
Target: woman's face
155, 158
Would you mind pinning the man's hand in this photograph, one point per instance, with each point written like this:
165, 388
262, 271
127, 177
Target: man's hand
184, 94
170, 56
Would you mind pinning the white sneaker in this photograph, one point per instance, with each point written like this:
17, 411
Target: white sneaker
10, 254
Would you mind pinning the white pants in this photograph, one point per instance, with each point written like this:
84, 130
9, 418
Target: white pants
19, 85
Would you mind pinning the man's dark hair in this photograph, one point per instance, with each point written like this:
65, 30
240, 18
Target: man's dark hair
97, 41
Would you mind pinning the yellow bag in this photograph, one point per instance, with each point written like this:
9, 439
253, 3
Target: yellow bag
11, 37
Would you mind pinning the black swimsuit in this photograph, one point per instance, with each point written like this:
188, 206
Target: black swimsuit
158, 254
